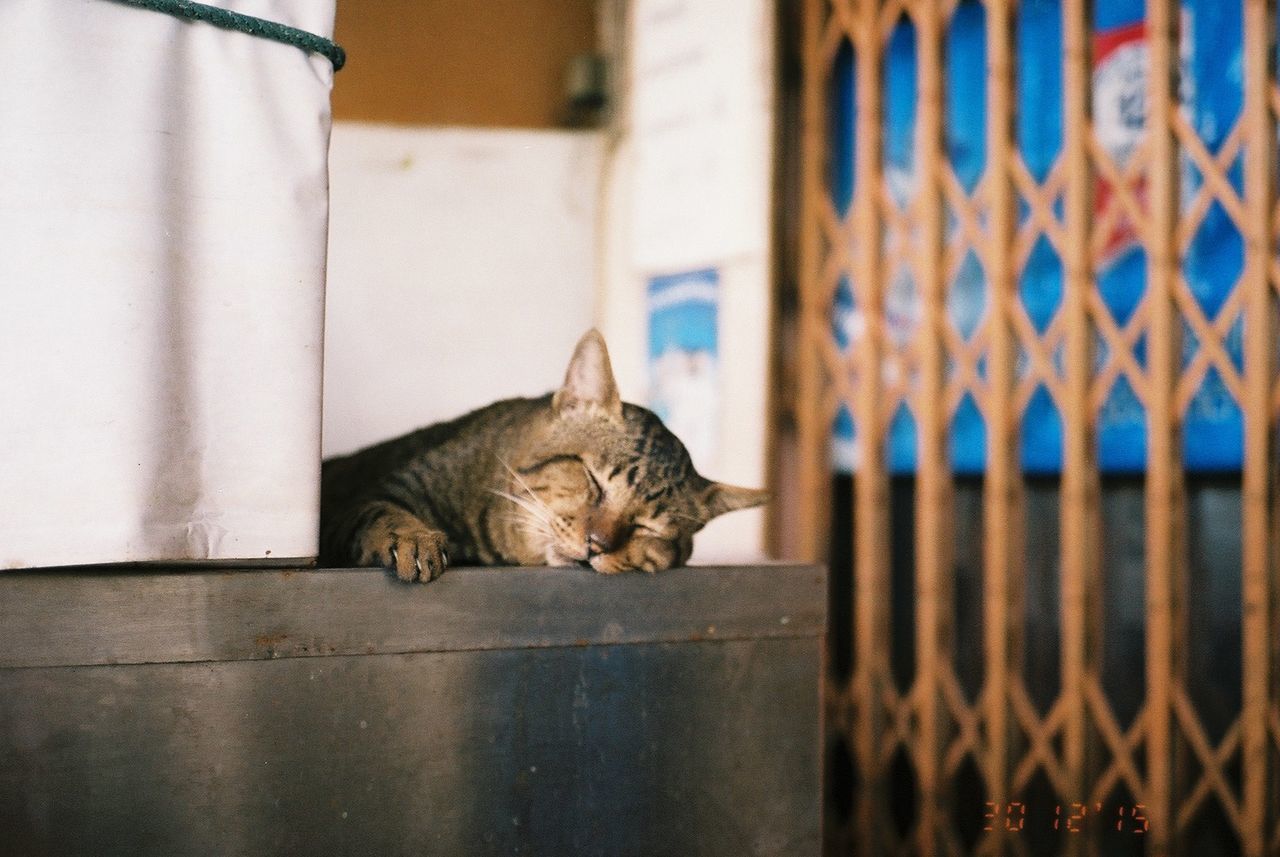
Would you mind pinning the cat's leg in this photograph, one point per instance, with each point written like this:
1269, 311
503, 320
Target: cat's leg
389, 536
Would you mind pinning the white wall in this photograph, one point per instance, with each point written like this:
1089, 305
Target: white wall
462, 269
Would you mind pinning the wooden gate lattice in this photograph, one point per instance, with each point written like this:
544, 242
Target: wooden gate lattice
886, 238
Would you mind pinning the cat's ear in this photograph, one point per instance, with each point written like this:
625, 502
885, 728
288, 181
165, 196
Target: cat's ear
589, 383
718, 498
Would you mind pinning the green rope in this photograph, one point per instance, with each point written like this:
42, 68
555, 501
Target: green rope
246, 24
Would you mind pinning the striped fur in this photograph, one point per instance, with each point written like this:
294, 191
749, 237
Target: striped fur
576, 476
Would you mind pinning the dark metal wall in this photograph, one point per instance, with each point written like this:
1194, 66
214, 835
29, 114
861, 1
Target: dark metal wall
530, 711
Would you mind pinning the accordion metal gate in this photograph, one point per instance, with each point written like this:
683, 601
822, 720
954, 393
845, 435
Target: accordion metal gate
970, 348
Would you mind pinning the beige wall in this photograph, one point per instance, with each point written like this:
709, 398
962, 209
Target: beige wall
482, 63
462, 268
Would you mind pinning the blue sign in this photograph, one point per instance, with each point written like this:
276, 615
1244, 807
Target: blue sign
684, 359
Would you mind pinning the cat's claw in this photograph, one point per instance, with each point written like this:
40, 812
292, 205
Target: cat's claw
413, 553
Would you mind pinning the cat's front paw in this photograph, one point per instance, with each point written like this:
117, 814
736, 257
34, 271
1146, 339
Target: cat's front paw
413, 551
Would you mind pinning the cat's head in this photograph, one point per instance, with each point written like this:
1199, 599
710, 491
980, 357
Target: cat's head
603, 482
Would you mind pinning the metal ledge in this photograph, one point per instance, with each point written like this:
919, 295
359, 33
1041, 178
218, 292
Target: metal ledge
97, 617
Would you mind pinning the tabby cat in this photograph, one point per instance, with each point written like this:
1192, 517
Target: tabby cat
577, 476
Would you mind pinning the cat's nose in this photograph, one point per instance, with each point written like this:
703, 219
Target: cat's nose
600, 541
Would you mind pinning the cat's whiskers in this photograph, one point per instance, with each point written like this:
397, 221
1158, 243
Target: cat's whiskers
525, 485
547, 539
528, 524
559, 526
531, 508
536, 522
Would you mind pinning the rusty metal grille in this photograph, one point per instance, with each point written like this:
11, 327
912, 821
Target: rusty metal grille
970, 715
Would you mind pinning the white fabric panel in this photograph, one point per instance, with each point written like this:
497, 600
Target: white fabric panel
162, 256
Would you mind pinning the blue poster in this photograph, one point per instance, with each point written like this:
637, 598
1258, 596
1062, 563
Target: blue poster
684, 384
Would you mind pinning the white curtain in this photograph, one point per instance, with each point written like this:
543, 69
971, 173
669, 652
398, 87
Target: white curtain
163, 217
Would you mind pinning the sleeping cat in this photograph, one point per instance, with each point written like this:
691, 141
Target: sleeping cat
577, 476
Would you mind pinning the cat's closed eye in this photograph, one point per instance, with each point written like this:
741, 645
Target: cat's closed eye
597, 491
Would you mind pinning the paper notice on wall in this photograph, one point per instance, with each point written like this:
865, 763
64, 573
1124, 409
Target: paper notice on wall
699, 114
683, 360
